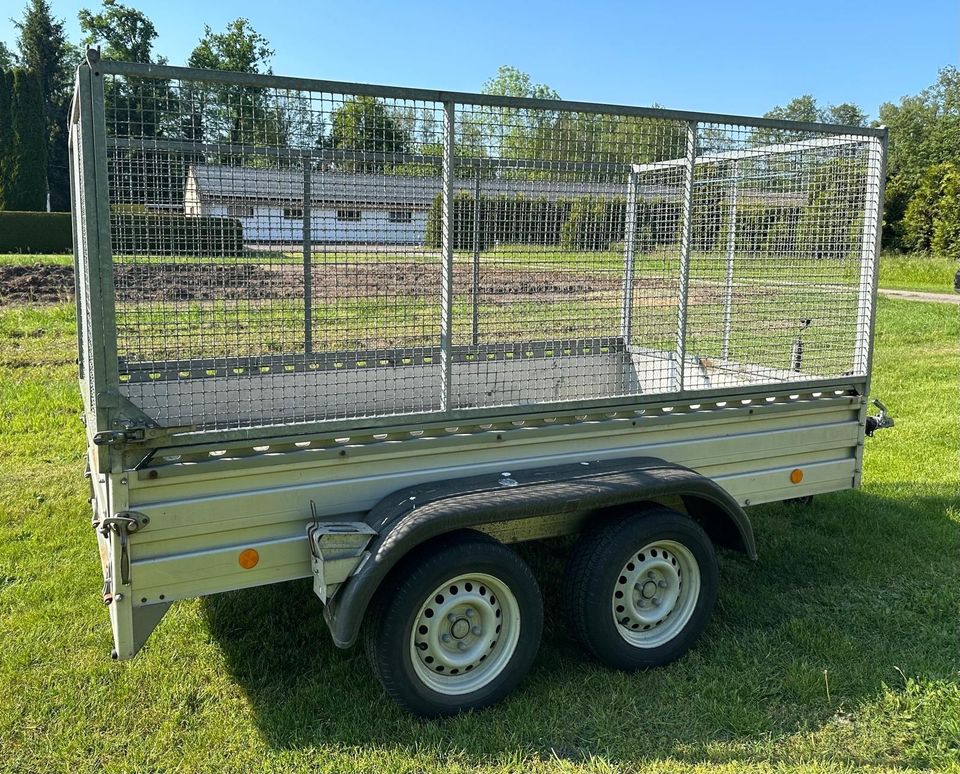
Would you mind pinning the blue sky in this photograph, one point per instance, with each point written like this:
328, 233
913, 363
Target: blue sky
731, 57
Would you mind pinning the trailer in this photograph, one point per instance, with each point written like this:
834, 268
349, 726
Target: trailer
621, 324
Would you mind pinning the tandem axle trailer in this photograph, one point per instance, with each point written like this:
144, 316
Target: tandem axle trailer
625, 324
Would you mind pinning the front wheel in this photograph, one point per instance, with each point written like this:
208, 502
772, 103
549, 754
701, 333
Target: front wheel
641, 589
456, 630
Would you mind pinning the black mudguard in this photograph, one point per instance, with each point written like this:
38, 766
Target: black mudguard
411, 516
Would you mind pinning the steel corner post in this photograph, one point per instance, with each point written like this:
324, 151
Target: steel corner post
447, 254
97, 281
870, 252
629, 247
731, 254
686, 239
307, 258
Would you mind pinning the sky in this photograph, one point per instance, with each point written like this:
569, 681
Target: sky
725, 57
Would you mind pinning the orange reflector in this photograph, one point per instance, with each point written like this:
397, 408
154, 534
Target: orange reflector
248, 558
796, 476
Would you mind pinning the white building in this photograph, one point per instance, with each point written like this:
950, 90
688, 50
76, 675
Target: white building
345, 208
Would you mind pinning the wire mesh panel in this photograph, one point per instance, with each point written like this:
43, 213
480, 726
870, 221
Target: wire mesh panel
269, 251
289, 251
779, 229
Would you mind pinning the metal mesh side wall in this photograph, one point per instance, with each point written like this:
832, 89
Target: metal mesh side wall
280, 255
777, 246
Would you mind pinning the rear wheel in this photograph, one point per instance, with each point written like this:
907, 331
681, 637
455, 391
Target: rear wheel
641, 590
456, 630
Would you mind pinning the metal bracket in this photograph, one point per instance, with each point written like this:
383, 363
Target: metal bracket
336, 551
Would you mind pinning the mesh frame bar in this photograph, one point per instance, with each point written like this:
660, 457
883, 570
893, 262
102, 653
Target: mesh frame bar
405, 254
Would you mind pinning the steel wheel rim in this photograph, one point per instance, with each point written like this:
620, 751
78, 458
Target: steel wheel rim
656, 593
465, 634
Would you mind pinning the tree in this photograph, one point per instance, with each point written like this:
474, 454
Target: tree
806, 108
506, 131
946, 222
924, 132
121, 32
7, 137
364, 124
845, 113
239, 48
511, 82
228, 113
931, 222
26, 167
925, 128
7, 58
45, 51
803, 108
139, 108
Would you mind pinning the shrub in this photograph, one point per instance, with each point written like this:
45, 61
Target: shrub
946, 222
35, 232
188, 235
932, 218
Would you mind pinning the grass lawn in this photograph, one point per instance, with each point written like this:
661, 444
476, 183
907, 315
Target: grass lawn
917, 272
838, 649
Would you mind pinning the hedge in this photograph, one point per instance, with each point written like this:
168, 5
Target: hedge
35, 232
189, 235
825, 226
585, 223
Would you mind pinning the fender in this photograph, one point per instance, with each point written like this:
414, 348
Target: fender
411, 516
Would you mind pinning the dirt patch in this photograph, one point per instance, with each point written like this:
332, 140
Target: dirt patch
169, 281
36, 283
136, 283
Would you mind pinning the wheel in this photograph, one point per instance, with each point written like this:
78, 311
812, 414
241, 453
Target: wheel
641, 589
457, 628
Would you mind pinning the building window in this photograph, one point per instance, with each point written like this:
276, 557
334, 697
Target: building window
400, 216
240, 211
293, 213
351, 216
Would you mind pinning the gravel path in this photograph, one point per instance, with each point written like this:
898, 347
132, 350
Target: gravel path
920, 295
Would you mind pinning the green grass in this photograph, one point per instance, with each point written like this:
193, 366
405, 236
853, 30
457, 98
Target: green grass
26, 259
917, 272
859, 592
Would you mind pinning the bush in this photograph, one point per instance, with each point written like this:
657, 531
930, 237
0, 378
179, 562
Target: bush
35, 232
591, 223
190, 235
932, 218
946, 223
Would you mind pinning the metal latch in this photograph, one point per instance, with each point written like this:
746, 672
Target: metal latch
113, 437
880, 421
122, 524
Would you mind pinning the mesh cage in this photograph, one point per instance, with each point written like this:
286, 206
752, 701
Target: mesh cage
286, 251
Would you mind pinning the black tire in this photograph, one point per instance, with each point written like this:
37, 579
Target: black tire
593, 574
389, 628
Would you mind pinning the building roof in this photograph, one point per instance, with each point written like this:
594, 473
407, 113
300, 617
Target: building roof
219, 183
